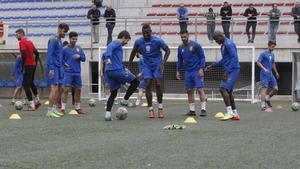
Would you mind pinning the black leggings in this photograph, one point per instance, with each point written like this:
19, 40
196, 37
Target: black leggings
28, 82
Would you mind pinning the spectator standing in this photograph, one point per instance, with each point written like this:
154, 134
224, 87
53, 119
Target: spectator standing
211, 23
94, 15
226, 13
110, 16
296, 15
274, 15
182, 14
251, 14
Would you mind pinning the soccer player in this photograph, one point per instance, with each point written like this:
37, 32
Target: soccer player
115, 72
266, 62
18, 76
231, 65
142, 86
150, 47
191, 54
73, 55
30, 56
54, 69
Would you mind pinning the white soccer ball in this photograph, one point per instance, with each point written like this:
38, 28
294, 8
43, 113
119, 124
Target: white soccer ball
121, 113
295, 106
19, 105
92, 102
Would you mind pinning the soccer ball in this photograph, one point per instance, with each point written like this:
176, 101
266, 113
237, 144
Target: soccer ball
92, 102
121, 113
295, 106
19, 105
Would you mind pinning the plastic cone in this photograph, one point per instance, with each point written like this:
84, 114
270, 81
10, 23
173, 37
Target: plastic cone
73, 112
190, 120
46, 103
15, 117
219, 115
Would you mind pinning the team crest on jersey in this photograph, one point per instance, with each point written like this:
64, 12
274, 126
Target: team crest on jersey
148, 48
191, 48
182, 50
77, 49
270, 57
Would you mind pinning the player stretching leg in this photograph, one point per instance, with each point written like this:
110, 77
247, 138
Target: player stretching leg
150, 47
115, 72
191, 54
266, 62
73, 55
231, 65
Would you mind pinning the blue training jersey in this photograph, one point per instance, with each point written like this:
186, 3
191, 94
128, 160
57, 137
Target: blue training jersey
114, 52
267, 59
230, 60
54, 53
151, 50
73, 64
191, 55
17, 69
141, 64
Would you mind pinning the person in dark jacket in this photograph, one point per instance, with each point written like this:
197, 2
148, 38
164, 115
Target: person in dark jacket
296, 15
251, 14
98, 3
226, 13
94, 15
110, 16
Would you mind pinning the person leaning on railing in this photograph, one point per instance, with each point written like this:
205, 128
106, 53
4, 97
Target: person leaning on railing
226, 13
296, 15
110, 16
182, 14
211, 23
274, 15
94, 15
251, 14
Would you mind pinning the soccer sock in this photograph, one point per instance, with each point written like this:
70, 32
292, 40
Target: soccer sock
31, 103
63, 105
150, 108
77, 105
234, 112
125, 101
108, 114
54, 108
37, 98
192, 106
263, 104
268, 98
160, 106
229, 110
137, 102
50, 109
203, 105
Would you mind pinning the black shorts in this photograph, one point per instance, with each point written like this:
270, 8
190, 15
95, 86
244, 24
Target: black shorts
28, 76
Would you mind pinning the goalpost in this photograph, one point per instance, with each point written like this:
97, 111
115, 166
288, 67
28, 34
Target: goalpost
245, 88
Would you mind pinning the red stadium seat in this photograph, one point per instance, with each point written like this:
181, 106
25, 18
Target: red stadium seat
235, 13
166, 5
151, 14
262, 23
200, 14
282, 32
167, 23
161, 14
291, 32
217, 5
280, 4
172, 33
146, 23
260, 32
246, 4
188, 5
206, 5
258, 4
138, 33
176, 5
264, 13
268, 4
193, 14
237, 4
287, 13
200, 23
175, 23
240, 23
196, 5
202, 33
156, 5
155, 23
171, 14
238, 33
289, 4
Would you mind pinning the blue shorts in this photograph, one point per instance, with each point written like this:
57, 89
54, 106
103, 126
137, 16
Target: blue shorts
193, 80
118, 77
267, 80
152, 73
142, 84
231, 79
72, 80
58, 77
19, 80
